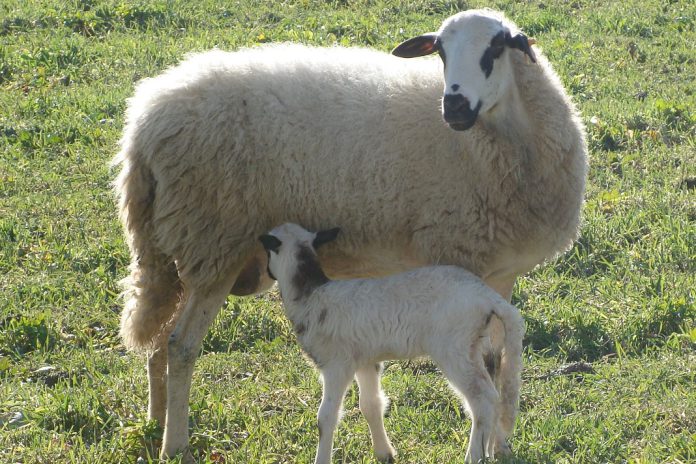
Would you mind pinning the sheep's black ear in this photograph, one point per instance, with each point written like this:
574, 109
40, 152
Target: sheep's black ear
417, 46
325, 236
270, 243
521, 42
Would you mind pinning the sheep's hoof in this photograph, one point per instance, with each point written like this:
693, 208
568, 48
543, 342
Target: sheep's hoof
186, 456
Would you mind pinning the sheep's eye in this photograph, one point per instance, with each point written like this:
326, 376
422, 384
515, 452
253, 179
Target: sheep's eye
498, 40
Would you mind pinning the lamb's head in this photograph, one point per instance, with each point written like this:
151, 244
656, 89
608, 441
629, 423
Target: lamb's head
292, 256
474, 46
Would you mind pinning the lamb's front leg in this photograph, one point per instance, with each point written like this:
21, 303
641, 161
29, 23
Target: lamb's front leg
372, 404
336, 381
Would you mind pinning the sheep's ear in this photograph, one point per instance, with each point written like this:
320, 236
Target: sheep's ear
325, 236
521, 42
270, 243
417, 46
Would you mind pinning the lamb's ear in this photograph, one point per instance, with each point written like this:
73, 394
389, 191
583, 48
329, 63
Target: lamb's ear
325, 236
522, 42
270, 243
417, 46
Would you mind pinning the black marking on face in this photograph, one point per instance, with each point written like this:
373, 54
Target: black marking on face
488, 318
494, 50
309, 275
455, 87
322, 315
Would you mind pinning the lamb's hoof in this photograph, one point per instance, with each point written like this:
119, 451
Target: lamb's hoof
389, 457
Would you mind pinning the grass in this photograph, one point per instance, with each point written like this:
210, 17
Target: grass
621, 300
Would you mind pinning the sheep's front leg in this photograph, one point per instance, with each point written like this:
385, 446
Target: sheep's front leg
336, 381
372, 405
183, 345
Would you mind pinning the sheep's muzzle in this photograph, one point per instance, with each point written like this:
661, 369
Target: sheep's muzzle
457, 111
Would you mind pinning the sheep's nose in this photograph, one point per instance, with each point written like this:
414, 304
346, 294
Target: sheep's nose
455, 103
457, 111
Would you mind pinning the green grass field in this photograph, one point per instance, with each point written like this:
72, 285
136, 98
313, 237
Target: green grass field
621, 301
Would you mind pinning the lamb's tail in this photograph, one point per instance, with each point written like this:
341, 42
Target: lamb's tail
152, 290
511, 363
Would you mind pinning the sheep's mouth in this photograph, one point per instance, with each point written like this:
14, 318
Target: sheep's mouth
461, 125
458, 115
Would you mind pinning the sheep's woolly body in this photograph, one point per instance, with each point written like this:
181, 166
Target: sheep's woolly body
227, 145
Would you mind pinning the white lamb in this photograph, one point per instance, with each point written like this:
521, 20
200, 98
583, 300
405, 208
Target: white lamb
347, 327
225, 146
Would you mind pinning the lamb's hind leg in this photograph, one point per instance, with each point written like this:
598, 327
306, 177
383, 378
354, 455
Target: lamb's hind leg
199, 310
372, 404
470, 379
493, 356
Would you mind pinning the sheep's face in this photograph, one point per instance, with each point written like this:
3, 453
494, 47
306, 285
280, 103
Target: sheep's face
474, 46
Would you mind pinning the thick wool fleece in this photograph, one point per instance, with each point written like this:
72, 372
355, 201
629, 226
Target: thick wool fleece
225, 146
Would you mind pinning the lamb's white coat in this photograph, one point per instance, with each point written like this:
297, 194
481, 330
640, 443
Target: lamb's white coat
348, 326
226, 145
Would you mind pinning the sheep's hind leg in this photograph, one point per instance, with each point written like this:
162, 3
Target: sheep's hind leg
336, 381
199, 310
157, 383
372, 404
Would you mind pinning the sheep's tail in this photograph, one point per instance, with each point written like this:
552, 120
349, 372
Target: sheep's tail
152, 290
510, 364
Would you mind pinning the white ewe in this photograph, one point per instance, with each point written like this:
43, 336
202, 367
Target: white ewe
226, 145
348, 326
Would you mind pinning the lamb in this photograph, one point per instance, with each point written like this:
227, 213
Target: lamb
347, 327
225, 146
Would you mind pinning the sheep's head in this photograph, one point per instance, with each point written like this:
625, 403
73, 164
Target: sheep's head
292, 254
474, 47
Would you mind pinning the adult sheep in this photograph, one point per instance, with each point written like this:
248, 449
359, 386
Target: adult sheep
225, 146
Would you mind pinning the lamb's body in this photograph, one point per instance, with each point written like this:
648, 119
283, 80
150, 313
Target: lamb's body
403, 316
226, 145
349, 326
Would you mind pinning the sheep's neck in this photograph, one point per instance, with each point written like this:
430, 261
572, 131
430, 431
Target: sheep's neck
509, 119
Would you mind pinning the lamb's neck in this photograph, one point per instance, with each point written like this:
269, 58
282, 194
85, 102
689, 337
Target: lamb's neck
296, 305
300, 282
